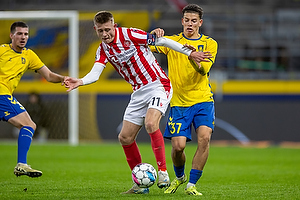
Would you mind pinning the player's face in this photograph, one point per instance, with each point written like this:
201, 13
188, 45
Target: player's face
191, 23
106, 31
19, 38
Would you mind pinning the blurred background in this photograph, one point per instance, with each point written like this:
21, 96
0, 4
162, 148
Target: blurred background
255, 79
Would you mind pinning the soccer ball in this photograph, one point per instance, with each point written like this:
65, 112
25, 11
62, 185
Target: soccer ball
144, 175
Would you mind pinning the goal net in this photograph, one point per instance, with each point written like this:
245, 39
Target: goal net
54, 36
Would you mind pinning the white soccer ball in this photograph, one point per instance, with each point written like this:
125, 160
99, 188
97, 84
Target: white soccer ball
144, 175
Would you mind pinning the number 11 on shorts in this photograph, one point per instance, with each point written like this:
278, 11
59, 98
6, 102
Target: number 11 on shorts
156, 100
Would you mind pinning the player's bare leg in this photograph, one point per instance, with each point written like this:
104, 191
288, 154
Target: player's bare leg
22, 119
177, 154
128, 132
200, 157
178, 158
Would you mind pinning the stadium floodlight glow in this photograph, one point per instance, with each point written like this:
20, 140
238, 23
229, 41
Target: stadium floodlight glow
72, 17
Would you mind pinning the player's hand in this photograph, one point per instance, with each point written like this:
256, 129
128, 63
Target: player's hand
199, 56
197, 66
63, 81
72, 83
190, 47
158, 32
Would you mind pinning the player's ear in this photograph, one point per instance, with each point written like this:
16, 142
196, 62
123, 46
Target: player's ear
200, 22
115, 25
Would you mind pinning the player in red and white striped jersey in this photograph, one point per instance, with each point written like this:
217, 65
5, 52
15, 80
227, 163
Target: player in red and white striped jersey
127, 50
131, 57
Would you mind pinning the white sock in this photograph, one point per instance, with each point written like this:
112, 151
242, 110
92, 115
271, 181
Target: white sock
180, 178
189, 185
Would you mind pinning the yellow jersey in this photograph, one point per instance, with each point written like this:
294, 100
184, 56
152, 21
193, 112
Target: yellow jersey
13, 65
189, 86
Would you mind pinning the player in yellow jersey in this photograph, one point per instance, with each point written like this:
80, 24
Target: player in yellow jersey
192, 102
15, 59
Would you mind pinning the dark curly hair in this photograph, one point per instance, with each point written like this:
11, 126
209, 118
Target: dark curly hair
193, 8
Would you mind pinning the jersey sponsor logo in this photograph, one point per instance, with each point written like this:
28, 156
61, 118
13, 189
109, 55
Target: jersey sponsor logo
123, 56
114, 59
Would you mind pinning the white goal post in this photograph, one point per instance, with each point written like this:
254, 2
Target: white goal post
72, 17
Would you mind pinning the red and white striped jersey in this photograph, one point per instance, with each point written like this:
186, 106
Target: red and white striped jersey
132, 59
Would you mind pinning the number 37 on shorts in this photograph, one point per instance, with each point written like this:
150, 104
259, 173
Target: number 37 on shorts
174, 127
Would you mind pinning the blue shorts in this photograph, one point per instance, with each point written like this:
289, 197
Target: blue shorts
9, 107
181, 119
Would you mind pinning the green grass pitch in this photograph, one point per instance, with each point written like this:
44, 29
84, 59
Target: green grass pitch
100, 171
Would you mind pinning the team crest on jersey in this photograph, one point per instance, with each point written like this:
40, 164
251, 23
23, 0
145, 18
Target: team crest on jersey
23, 60
126, 43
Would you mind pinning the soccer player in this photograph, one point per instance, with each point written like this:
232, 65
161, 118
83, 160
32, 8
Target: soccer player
127, 50
15, 59
192, 102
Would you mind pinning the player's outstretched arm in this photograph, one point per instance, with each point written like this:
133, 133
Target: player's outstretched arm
194, 55
91, 77
51, 76
187, 50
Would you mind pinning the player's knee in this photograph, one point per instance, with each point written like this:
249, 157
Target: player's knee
150, 126
125, 140
120, 138
27, 123
178, 147
205, 138
30, 124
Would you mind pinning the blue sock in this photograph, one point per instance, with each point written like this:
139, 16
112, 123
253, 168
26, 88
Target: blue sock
179, 171
24, 141
195, 175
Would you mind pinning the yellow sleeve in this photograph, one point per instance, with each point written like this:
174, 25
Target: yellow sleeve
212, 46
35, 61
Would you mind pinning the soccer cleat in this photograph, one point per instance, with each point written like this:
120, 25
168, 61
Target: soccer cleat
24, 169
163, 179
174, 185
192, 190
135, 189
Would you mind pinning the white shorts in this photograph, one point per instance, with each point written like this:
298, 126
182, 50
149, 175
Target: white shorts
152, 95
